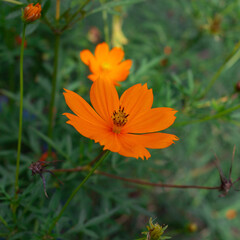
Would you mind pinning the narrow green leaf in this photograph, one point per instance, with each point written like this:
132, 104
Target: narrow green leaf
49, 141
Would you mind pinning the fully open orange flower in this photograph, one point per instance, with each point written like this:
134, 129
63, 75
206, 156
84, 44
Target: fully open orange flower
127, 126
106, 65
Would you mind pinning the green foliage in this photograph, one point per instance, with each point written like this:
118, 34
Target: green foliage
197, 78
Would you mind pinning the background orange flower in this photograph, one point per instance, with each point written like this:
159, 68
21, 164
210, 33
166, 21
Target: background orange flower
106, 65
127, 126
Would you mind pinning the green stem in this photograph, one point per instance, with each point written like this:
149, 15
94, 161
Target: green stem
105, 28
207, 118
54, 82
74, 18
20, 111
231, 59
12, 80
79, 10
76, 190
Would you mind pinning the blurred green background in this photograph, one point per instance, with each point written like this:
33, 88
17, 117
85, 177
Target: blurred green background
177, 47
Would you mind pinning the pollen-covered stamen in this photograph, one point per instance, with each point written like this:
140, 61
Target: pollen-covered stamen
119, 118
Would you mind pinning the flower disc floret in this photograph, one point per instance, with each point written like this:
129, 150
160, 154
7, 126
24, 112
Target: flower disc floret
119, 118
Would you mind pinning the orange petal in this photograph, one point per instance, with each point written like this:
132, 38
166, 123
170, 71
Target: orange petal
120, 72
104, 98
88, 58
135, 145
101, 52
93, 77
136, 100
131, 148
86, 128
154, 120
155, 140
110, 141
81, 108
116, 56
101, 134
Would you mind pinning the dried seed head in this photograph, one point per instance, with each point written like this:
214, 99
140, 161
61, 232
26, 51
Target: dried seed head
36, 168
39, 168
226, 183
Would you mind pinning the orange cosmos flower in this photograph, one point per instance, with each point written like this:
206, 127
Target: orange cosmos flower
127, 126
32, 13
106, 65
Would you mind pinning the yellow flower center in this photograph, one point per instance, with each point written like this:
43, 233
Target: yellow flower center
119, 119
106, 66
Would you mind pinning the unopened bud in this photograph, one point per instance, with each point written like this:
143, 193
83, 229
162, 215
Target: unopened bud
32, 13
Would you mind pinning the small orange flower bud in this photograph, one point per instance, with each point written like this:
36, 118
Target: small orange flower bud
32, 13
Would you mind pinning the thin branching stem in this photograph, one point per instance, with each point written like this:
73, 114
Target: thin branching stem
76, 191
137, 181
46, 20
105, 27
74, 18
53, 94
141, 182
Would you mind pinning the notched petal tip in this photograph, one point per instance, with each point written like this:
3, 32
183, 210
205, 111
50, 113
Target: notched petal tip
66, 90
175, 139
